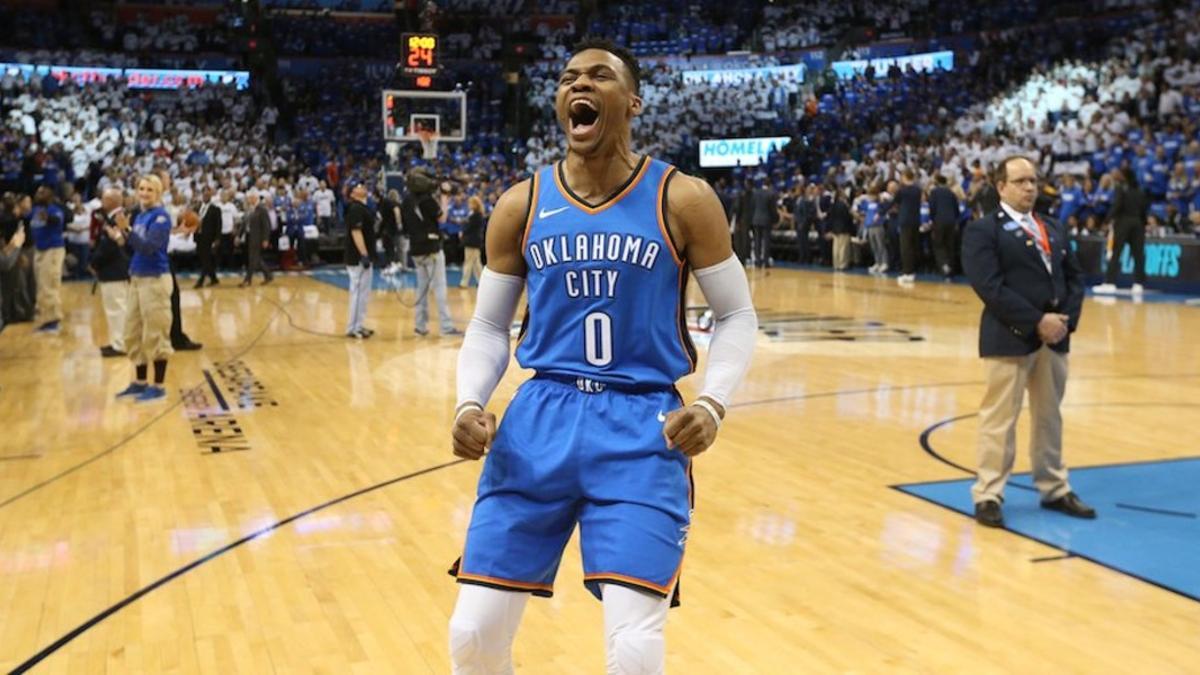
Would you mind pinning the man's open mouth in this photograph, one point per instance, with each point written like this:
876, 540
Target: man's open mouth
583, 116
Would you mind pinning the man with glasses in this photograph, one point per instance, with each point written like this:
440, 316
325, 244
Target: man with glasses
1023, 269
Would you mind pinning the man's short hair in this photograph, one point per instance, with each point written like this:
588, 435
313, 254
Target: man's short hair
626, 56
940, 179
908, 175
1002, 168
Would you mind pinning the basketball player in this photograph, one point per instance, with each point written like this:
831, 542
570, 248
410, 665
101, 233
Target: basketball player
602, 242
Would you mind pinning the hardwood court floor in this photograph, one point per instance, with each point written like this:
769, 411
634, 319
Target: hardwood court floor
801, 558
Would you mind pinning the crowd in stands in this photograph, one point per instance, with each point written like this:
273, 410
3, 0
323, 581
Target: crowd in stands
70, 143
865, 132
317, 35
1137, 106
676, 113
866, 113
789, 26
699, 27
482, 44
794, 26
713, 26
64, 132
1081, 103
96, 37
1083, 98
376, 6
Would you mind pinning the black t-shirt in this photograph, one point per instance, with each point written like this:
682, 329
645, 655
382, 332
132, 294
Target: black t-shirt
943, 206
473, 232
8, 226
838, 218
420, 215
908, 206
803, 212
109, 259
987, 200
387, 216
359, 217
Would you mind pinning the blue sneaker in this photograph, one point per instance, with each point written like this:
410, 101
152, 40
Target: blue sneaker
134, 389
151, 394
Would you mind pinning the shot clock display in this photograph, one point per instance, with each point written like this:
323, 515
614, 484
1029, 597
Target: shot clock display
419, 54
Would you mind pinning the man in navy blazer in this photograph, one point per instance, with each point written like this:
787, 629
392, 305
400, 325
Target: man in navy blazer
1023, 269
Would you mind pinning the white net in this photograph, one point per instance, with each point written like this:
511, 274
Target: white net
429, 143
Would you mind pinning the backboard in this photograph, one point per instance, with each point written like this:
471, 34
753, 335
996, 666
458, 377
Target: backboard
406, 112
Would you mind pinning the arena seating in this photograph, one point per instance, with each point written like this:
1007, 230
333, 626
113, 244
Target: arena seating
1013, 89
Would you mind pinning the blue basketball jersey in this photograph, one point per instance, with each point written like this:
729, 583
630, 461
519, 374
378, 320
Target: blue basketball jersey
605, 284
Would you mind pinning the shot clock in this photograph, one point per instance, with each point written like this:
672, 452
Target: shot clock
419, 57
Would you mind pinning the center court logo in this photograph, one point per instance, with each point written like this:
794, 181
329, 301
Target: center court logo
806, 327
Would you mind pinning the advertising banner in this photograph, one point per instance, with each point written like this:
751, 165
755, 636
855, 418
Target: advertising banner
1171, 263
920, 62
135, 78
740, 75
719, 152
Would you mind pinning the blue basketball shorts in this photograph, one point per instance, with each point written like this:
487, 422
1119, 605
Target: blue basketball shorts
578, 452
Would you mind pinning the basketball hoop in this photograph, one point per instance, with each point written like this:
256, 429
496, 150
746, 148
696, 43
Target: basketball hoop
429, 117
429, 142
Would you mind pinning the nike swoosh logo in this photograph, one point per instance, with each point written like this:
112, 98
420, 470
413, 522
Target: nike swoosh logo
661, 416
546, 214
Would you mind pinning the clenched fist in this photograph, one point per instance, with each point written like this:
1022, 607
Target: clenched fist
692, 429
473, 433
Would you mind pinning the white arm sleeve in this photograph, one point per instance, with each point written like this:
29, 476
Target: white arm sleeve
728, 294
484, 354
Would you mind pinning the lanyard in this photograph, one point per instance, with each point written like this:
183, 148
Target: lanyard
1043, 240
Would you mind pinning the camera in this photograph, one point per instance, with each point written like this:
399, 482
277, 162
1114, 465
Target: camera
421, 180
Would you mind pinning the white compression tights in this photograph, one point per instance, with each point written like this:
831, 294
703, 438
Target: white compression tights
633, 630
482, 629
485, 622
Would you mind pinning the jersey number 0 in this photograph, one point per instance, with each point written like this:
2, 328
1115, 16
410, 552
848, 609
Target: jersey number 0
597, 338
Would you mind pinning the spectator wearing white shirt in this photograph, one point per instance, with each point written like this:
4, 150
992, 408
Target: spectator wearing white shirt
229, 218
1170, 103
324, 199
78, 236
308, 183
